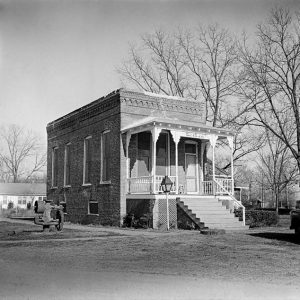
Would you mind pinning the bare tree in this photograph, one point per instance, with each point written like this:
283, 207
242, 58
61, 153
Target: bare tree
201, 64
271, 78
21, 154
276, 165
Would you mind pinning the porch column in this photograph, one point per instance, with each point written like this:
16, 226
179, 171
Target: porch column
213, 142
203, 146
230, 143
176, 138
155, 132
128, 137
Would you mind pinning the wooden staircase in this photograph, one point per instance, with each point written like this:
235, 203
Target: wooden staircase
211, 212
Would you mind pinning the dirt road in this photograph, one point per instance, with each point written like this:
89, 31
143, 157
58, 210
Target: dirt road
108, 263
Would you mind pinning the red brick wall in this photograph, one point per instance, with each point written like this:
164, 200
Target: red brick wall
78, 196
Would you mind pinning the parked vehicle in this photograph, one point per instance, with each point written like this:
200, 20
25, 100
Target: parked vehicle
295, 218
48, 214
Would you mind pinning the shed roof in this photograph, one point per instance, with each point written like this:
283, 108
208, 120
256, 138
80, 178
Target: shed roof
22, 189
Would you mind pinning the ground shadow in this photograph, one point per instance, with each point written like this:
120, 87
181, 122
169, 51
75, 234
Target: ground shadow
279, 236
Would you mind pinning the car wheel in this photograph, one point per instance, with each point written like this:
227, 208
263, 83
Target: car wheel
60, 218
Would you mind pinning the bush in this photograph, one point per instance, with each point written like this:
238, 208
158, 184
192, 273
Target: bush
281, 210
258, 218
144, 221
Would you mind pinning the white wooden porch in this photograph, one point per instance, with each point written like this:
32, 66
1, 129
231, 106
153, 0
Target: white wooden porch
151, 185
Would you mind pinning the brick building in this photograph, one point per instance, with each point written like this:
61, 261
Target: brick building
108, 158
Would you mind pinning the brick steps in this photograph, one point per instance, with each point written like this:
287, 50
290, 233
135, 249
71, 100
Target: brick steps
213, 213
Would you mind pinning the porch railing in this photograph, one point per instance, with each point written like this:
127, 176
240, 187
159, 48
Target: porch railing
208, 187
235, 203
224, 185
140, 185
148, 184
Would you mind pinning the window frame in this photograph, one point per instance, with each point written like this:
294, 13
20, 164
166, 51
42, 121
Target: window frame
89, 210
85, 162
67, 167
102, 149
54, 170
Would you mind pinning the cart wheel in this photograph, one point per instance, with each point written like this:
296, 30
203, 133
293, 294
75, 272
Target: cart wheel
60, 218
46, 228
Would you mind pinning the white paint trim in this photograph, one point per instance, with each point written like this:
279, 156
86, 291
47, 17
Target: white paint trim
197, 167
65, 164
84, 158
151, 196
171, 196
168, 170
101, 158
53, 167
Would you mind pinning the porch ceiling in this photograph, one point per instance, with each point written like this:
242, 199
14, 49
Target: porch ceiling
191, 129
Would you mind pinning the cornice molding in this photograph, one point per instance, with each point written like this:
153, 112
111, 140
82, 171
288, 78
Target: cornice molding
128, 98
191, 107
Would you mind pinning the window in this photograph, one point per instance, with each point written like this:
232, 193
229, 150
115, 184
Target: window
105, 157
93, 208
162, 154
67, 165
54, 166
5, 199
190, 148
144, 145
87, 160
22, 199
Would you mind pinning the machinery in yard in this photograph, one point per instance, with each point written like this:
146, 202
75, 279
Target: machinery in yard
295, 218
48, 215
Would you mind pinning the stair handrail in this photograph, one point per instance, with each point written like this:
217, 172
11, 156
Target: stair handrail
235, 201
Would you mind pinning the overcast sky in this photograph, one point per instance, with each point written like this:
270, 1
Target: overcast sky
56, 55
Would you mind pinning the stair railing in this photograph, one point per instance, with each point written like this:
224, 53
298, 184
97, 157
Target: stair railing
236, 203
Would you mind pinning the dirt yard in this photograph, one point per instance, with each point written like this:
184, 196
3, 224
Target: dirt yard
86, 262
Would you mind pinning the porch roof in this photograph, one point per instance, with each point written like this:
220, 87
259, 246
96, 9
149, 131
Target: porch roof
191, 129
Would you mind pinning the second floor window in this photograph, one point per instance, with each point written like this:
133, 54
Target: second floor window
67, 166
87, 160
54, 166
105, 157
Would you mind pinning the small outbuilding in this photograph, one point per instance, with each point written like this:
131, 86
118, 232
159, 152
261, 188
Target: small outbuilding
21, 195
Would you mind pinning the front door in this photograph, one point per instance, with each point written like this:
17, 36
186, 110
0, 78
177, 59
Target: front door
191, 168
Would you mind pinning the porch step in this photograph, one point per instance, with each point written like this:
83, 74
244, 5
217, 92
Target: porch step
214, 212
